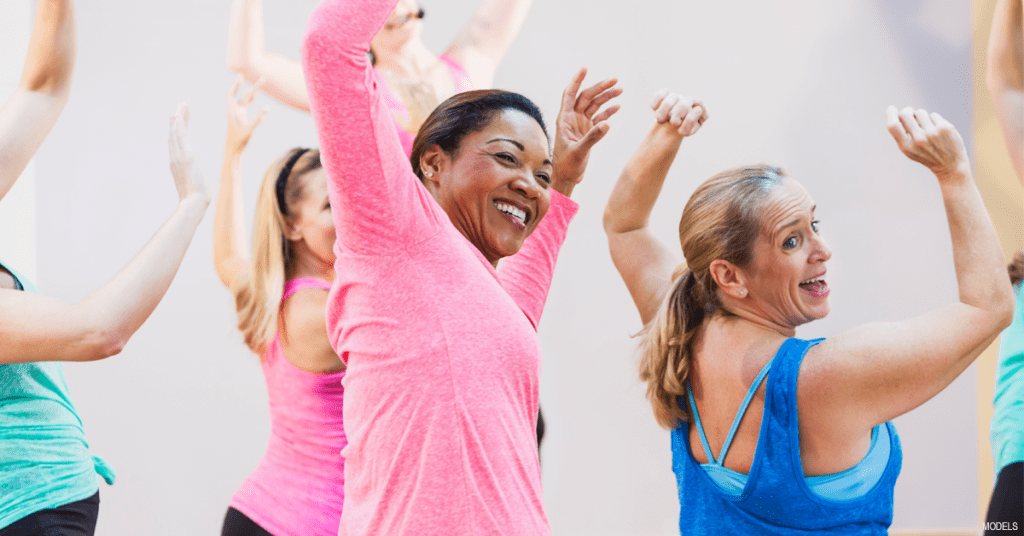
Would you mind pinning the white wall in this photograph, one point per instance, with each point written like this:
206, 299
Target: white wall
181, 413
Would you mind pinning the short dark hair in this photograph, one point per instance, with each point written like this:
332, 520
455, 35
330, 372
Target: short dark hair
465, 113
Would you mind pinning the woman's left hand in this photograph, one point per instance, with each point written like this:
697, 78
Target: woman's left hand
581, 123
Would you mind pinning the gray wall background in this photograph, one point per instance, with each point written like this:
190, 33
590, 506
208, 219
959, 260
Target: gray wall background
181, 413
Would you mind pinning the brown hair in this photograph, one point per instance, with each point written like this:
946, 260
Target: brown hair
1016, 268
259, 291
465, 113
721, 221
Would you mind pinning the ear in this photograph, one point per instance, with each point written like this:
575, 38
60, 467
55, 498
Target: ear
433, 162
292, 232
730, 279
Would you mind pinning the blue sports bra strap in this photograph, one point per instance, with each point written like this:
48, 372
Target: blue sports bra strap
743, 410
700, 428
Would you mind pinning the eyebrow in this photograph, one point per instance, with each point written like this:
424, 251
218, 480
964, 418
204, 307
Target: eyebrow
795, 221
520, 146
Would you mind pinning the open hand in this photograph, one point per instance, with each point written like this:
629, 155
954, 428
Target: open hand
581, 123
685, 114
240, 128
188, 177
928, 139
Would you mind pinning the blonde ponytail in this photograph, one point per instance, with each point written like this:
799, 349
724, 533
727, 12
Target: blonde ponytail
259, 291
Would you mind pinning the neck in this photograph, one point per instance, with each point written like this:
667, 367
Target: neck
412, 59
755, 322
306, 264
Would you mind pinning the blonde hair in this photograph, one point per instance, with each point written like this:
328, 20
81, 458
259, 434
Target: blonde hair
721, 221
259, 290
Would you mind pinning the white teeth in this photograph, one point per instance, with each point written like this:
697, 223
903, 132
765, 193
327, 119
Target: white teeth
815, 280
515, 212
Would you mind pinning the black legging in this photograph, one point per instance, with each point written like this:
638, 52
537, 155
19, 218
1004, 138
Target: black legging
72, 519
238, 524
1006, 509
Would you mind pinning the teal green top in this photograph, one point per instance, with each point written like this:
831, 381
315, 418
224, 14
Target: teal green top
1008, 421
44, 458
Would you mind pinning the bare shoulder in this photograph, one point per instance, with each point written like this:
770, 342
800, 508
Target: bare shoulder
304, 332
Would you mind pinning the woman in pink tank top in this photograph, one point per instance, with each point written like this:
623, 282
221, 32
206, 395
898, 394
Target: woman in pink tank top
411, 78
280, 296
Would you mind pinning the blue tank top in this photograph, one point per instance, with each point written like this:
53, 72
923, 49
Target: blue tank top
776, 497
44, 457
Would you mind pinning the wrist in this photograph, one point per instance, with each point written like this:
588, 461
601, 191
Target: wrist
564, 187
958, 174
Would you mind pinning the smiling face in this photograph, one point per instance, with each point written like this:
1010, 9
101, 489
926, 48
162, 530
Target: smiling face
311, 223
786, 276
495, 187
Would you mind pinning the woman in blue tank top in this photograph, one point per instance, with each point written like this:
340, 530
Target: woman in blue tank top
754, 450
48, 478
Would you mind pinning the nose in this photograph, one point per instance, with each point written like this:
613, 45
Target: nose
527, 185
822, 252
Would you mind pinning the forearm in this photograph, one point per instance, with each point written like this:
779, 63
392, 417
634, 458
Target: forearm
1006, 48
120, 307
977, 256
229, 244
634, 195
282, 79
1006, 76
493, 27
51, 56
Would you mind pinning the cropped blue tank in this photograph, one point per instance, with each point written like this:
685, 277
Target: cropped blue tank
776, 498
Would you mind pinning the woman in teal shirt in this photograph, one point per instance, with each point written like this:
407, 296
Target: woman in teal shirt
47, 476
1006, 86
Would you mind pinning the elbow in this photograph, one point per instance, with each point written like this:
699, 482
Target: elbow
1005, 311
104, 344
608, 220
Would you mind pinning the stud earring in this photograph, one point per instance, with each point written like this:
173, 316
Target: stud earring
743, 292
429, 174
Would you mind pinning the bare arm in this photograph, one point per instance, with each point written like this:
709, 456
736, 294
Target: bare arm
282, 76
482, 43
38, 328
1006, 76
877, 372
230, 249
644, 262
30, 113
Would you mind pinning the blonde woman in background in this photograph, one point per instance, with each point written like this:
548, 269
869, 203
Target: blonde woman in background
280, 296
1006, 86
412, 79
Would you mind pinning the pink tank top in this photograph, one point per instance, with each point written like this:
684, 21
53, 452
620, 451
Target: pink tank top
298, 486
397, 107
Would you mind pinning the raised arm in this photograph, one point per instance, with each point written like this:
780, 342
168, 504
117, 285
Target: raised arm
29, 114
877, 372
379, 202
230, 249
482, 43
38, 328
644, 262
247, 55
1006, 76
581, 123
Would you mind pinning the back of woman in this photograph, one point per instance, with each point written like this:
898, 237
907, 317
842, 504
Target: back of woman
777, 497
298, 486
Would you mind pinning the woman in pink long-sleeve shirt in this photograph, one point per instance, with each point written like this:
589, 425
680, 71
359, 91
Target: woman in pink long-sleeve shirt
441, 348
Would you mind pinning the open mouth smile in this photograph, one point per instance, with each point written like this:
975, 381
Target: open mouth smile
516, 213
816, 287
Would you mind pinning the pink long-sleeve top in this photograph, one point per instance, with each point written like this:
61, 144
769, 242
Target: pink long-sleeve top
442, 352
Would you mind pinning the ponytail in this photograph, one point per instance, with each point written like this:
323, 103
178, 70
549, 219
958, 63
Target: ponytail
721, 221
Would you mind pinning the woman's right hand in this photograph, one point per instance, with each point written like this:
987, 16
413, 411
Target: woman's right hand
240, 128
188, 177
929, 140
685, 114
